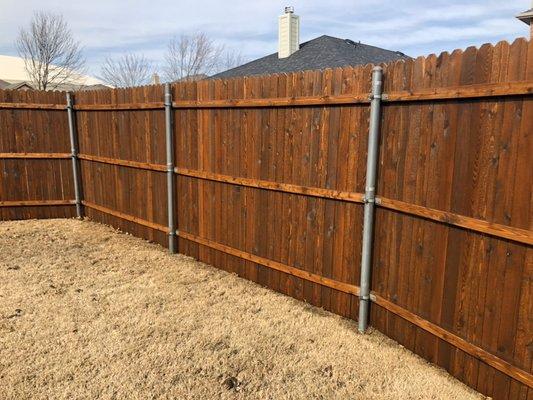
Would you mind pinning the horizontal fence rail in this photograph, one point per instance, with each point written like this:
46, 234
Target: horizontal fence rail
120, 107
124, 163
36, 203
35, 155
436, 94
265, 177
498, 230
275, 186
125, 216
476, 91
33, 106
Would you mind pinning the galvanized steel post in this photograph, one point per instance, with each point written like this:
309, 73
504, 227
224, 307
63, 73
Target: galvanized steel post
74, 154
170, 169
370, 196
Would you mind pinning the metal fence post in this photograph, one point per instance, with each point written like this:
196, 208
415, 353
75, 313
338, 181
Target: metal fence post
370, 193
74, 154
170, 168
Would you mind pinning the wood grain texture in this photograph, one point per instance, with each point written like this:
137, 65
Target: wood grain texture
126, 217
501, 231
32, 106
275, 186
274, 102
35, 155
124, 163
120, 107
343, 287
36, 203
123, 157
481, 90
454, 226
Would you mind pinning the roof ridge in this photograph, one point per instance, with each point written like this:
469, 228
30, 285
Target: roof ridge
322, 52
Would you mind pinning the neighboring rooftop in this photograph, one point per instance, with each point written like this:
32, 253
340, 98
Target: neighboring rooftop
22, 85
320, 53
526, 16
13, 71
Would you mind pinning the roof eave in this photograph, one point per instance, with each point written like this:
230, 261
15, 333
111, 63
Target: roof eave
526, 16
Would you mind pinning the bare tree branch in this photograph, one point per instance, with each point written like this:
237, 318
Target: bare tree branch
189, 57
51, 55
127, 71
230, 59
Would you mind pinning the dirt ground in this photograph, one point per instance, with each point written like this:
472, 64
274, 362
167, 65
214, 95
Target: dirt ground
86, 312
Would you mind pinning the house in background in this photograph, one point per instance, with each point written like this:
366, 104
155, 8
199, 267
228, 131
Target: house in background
320, 53
527, 17
15, 86
13, 76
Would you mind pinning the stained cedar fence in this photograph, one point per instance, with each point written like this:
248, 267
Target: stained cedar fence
269, 178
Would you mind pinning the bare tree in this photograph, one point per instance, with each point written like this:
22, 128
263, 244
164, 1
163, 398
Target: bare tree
189, 57
127, 71
230, 59
51, 55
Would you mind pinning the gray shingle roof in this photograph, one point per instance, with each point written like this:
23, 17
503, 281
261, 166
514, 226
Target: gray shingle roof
320, 53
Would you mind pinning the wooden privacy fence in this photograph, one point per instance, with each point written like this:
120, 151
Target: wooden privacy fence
269, 181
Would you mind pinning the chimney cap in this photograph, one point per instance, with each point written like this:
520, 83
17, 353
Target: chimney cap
289, 10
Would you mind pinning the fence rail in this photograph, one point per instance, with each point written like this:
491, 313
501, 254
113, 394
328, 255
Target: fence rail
269, 178
34, 155
124, 163
436, 94
36, 203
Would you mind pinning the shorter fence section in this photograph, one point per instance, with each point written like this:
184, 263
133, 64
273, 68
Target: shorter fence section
35, 175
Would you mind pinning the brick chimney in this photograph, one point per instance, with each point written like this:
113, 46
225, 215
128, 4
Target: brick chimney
527, 17
288, 33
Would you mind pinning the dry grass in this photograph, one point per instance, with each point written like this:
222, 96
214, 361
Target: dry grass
89, 313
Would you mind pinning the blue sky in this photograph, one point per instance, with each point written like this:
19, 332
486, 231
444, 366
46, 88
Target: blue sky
415, 27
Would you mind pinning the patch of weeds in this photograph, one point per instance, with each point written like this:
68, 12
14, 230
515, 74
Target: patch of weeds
232, 383
18, 313
327, 371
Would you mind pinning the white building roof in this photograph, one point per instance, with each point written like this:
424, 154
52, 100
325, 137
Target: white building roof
12, 70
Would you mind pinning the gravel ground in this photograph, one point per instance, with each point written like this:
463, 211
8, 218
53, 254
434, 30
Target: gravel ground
86, 312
